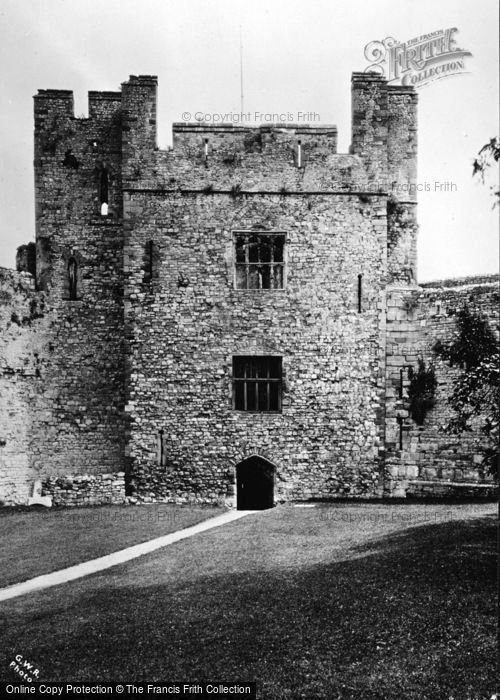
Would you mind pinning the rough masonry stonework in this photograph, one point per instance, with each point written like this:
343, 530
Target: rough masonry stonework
121, 325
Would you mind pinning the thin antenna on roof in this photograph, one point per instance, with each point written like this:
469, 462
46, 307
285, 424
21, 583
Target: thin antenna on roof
241, 76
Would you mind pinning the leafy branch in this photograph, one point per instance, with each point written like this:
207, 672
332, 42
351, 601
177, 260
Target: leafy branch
474, 398
421, 391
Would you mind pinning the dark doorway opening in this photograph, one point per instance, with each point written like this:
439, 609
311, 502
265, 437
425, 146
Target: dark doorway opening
254, 484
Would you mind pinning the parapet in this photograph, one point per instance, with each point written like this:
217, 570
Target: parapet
142, 80
61, 103
464, 282
384, 130
371, 78
53, 102
102, 104
367, 77
202, 126
139, 102
384, 139
259, 138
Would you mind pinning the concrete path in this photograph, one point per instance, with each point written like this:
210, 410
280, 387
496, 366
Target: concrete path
123, 555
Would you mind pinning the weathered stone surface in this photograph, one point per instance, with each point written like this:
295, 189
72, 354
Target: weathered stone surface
116, 360
86, 490
429, 452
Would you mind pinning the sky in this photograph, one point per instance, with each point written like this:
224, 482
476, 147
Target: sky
297, 57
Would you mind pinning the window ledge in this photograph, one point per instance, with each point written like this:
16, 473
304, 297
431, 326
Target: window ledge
99, 220
239, 289
257, 413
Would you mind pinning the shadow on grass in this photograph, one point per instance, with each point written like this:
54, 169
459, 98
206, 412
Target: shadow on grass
409, 615
39, 541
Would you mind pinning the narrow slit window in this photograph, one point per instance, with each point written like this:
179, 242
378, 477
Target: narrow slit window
150, 261
257, 383
260, 260
72, 278
401, 373
206, 150
360, 293
401, 428
299, 154
161, 448
104, 192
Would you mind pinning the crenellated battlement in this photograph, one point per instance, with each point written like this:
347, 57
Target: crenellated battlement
277, 156
254, 139
201, 126
104, 104
53, 103
156, 268
159, 268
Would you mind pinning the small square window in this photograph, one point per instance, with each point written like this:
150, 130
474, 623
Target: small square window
259, 260
257, 383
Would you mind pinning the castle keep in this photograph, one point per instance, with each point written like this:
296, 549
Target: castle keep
230, 320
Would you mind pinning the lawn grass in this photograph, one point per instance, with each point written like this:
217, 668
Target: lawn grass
38, 541
335, 602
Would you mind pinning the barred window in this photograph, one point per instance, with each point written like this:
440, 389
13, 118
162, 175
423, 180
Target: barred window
257, 382
259, 260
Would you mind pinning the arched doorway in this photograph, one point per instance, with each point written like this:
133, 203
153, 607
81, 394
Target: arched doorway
254, 484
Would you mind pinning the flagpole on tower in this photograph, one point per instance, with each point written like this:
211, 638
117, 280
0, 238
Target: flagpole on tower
241, 76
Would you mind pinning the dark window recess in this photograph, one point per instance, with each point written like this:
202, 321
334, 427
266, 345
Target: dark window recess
150, 254
72, 278
149, 261
257, 383
360, 293
161, 448
401, 428
260, 260
104, 191
401, 383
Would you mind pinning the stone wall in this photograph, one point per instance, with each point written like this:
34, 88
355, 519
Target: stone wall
384, 137
328, 437
117, 357
185, 324
20, 314
86, 489
416, 319
77, 166
64, 373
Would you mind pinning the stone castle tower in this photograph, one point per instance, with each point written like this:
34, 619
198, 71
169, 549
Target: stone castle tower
230, 320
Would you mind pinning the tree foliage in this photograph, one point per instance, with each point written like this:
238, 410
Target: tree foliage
474, 398
487, 156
